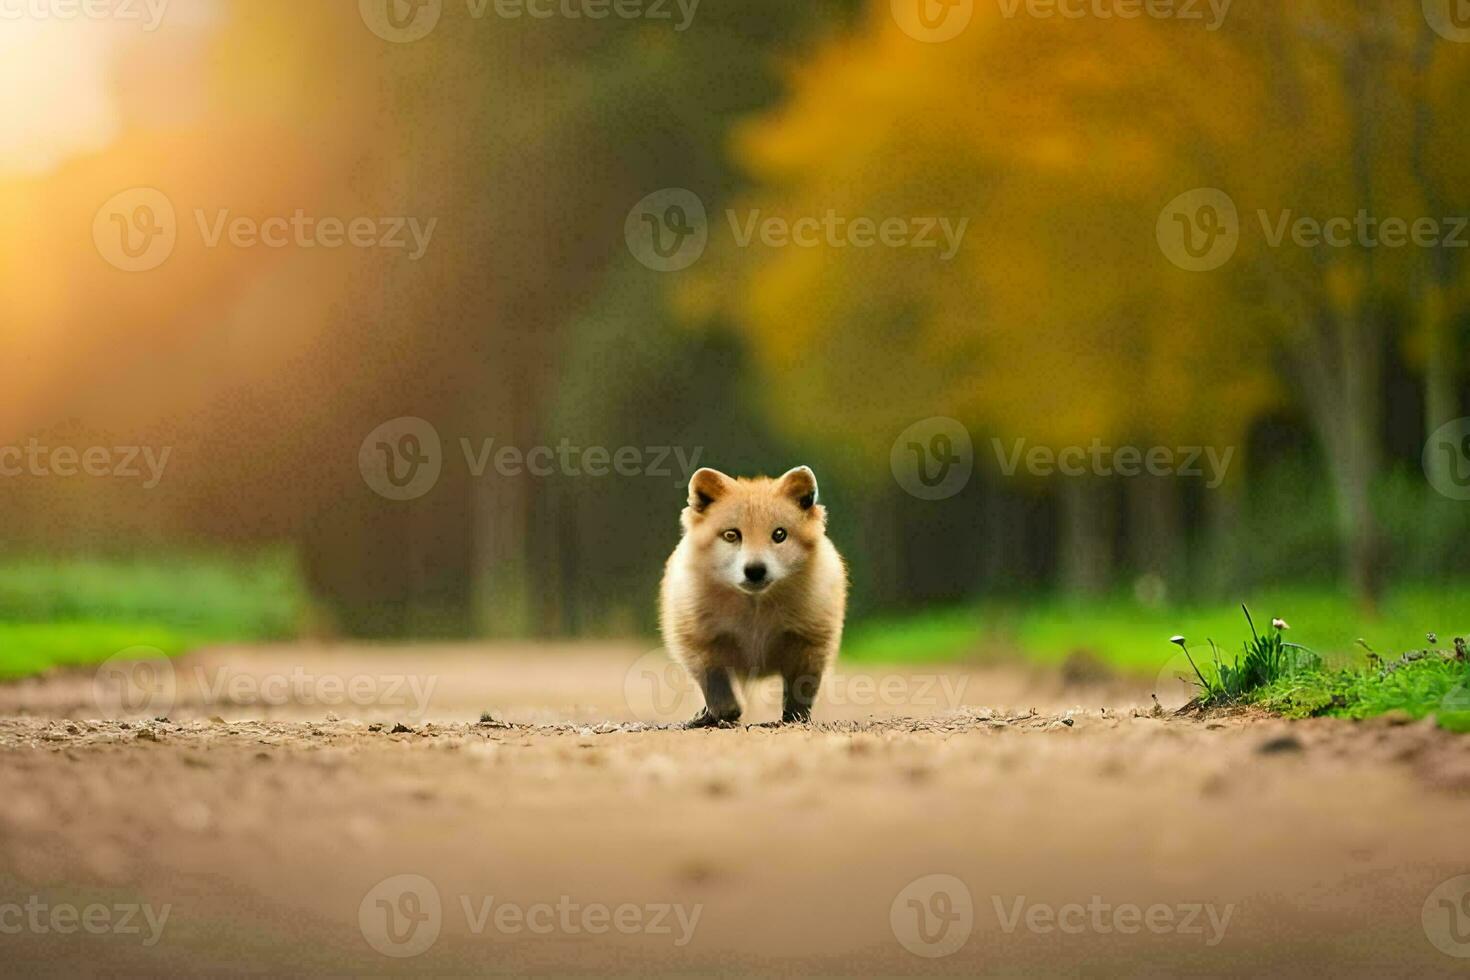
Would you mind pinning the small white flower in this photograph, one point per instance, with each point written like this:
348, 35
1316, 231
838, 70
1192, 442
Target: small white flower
1280, 624
1177, 639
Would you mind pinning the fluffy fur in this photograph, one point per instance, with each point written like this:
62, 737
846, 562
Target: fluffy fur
754, 589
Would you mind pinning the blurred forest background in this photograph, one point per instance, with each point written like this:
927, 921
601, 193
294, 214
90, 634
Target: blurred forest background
1060, 320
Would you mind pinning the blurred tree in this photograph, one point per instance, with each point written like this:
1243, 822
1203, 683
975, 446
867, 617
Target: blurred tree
1056, 322
1060, 319
1440, 288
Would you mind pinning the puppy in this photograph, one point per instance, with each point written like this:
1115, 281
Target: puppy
754, 589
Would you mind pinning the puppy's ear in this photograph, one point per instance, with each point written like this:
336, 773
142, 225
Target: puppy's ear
800, 485
705, 487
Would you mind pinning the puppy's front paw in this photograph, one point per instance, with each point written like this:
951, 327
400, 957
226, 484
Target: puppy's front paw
706, 720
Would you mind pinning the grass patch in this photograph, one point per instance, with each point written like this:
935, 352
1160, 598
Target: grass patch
1433, 683
32, 648
1133, 637
1264, 659
1336, 677
1292, 680
71, 612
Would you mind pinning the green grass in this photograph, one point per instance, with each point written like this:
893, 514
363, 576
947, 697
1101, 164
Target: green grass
60, 612
1133, 637
1433, 685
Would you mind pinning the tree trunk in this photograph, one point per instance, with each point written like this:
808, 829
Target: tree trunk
1437, 270
1087, 536
1440, 402
1341, 375
1155, 524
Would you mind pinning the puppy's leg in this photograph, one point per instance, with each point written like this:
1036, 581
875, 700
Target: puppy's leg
799, 696
802, 667
721, 707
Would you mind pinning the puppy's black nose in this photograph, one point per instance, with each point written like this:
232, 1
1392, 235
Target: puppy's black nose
755, 572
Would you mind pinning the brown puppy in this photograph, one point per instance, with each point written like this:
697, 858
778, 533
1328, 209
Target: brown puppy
754, 588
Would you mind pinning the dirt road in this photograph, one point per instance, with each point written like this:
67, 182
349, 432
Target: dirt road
346, 811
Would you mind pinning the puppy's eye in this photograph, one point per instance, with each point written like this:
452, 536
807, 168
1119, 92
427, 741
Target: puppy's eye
732, 536
779, 535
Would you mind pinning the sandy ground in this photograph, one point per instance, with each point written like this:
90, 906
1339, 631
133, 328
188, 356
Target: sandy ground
346, 811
